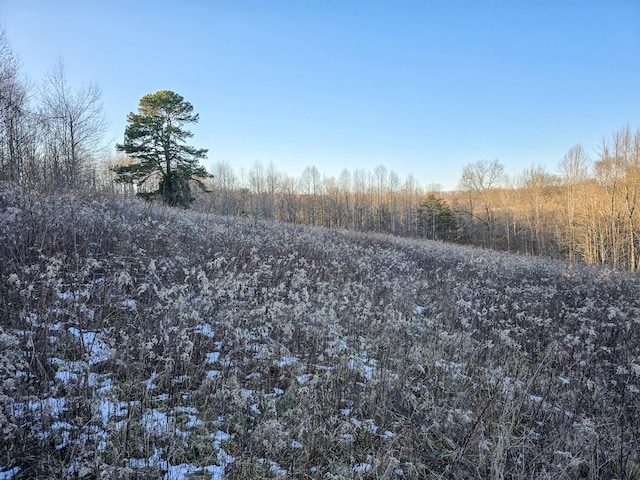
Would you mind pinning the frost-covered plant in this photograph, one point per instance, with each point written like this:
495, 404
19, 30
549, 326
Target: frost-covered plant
140, 341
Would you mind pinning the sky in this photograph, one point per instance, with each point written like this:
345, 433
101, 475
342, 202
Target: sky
421, 87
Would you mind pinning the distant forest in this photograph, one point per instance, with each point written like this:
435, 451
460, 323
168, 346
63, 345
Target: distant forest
52, 139
587, 211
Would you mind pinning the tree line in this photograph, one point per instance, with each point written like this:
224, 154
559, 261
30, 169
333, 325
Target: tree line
377, 201
586, 210
52, 138
51, 134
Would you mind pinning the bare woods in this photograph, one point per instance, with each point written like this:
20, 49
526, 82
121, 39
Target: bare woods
586, 210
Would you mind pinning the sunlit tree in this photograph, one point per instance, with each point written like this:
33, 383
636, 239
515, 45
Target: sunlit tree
163, 165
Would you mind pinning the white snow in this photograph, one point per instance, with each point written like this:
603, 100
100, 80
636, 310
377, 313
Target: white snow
213, 357
9, 474
156, 422
274, 467
153, 460
362, 467
149, 383
97, 350
453, 367
180, 472
288, 361
109, 409
65, 429
224, 458
363, 365
205, 329
216, 471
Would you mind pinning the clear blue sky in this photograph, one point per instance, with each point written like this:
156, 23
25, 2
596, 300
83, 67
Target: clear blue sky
422, 87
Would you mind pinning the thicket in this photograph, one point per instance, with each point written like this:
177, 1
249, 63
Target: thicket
138, 341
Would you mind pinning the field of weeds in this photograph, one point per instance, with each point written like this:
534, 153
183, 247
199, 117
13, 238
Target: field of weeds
138, 341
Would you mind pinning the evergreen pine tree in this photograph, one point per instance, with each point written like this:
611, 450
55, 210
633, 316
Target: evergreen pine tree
154, 139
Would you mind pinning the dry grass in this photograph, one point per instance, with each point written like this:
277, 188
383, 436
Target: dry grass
144, 342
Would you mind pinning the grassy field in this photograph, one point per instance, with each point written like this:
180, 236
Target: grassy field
138, 341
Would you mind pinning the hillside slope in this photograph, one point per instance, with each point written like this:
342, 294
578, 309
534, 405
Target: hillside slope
143, 342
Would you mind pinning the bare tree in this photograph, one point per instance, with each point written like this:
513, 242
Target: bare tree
610, 173
394, 185
536, 184
258, 188
381, 177
332, 204
311, 187
573, 174
74, 127
346, 204
289, 207
360, 202
477, 180
409, 195
433, 188
508, 195
273, 181
224, 181
627, 143
17, 131
619, 171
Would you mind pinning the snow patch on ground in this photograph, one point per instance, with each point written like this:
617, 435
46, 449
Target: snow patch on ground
362, 467
96, 349
274, 467
288, 361
213, 357
205, 329
9, 474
